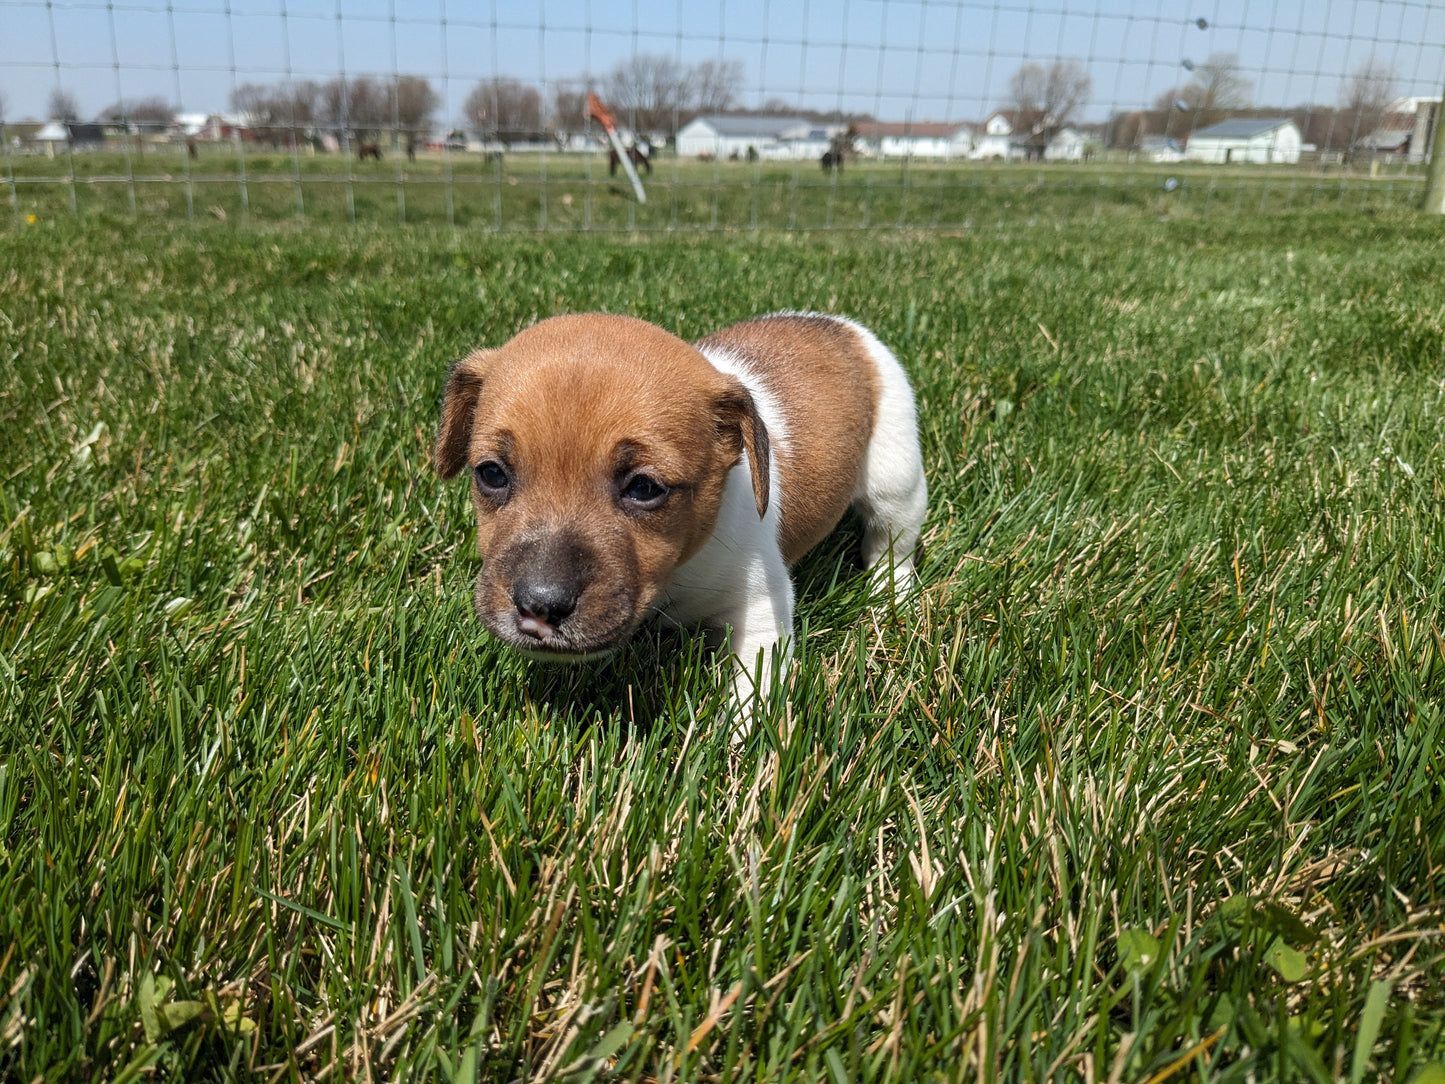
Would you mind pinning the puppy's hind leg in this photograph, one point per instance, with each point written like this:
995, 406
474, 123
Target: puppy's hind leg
892, 520
892, 492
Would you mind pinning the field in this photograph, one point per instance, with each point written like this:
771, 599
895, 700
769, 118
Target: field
526, 191
1146, 786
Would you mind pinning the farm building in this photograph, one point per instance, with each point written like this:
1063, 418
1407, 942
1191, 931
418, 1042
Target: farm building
913, 140
58, 134
736, 135
1418, 114
1160, 149
210, 127
1016, 135
1069, 145
1003, 136
1270, 139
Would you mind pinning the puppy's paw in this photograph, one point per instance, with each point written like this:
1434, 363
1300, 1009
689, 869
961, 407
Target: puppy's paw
890, 580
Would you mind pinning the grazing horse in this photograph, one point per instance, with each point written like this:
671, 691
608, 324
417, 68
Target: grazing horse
638, 159
832, 159
368, 150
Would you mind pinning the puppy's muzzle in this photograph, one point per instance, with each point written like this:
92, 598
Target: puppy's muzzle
555, 602
543, 604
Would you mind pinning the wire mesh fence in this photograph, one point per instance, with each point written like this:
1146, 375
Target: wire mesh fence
743, 114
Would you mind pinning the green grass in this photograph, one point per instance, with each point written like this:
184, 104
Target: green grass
568, 192
1146, 786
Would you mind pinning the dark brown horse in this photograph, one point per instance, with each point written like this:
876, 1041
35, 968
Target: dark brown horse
638, 159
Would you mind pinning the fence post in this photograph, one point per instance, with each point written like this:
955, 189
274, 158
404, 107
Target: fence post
1435, 171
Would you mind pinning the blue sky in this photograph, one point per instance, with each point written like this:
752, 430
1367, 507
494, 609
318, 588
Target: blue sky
924, 59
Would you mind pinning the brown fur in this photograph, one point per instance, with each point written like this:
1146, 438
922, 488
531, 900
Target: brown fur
819, 370
571, 406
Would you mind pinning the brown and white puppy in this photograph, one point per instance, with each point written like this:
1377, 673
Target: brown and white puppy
619, 472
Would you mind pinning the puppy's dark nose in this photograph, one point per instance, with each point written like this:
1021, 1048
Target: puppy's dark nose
548, 601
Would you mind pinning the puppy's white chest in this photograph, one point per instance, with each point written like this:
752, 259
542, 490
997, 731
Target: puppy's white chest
737, 564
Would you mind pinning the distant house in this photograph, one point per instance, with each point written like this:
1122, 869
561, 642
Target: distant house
1068, 145
1160, 149
1392, 137
57, 135
743, 135
1013, 135
209, 127
1006, 135
1262, 140
910, 139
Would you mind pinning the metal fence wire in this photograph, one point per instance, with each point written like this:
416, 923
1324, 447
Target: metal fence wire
742, 114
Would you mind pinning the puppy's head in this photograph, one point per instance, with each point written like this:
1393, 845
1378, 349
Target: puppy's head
598, 448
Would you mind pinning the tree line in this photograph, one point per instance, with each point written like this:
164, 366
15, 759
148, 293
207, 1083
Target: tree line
1218, 90
657, 94
650, 93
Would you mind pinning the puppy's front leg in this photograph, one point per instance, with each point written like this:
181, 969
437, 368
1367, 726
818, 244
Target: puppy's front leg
762, 636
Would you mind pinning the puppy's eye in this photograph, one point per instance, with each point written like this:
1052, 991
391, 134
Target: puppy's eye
644, 492
492, 478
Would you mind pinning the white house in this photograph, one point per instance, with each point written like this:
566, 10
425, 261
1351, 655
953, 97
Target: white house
734, 135
913, 140
1067, 145
210, 126
1014, 135
1271, 139
998, 138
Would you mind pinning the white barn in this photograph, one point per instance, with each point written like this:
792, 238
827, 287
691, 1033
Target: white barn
1270, 139
729, 135
913, 140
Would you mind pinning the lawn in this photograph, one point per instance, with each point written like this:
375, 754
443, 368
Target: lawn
1145, 786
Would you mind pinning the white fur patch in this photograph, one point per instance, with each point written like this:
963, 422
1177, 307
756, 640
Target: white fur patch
739, 581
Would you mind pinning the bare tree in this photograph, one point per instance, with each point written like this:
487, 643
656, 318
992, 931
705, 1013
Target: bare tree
714, 85
360, 107
142, 111
1046, 97
1365, 97
1216, 90
504, 108
648, 92
63, 107
569, 104
253, 102
282, 113
414, 102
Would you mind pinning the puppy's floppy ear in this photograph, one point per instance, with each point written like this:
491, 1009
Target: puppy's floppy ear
742, 427
459, 408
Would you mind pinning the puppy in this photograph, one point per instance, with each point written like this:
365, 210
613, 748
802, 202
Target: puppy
618, 473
